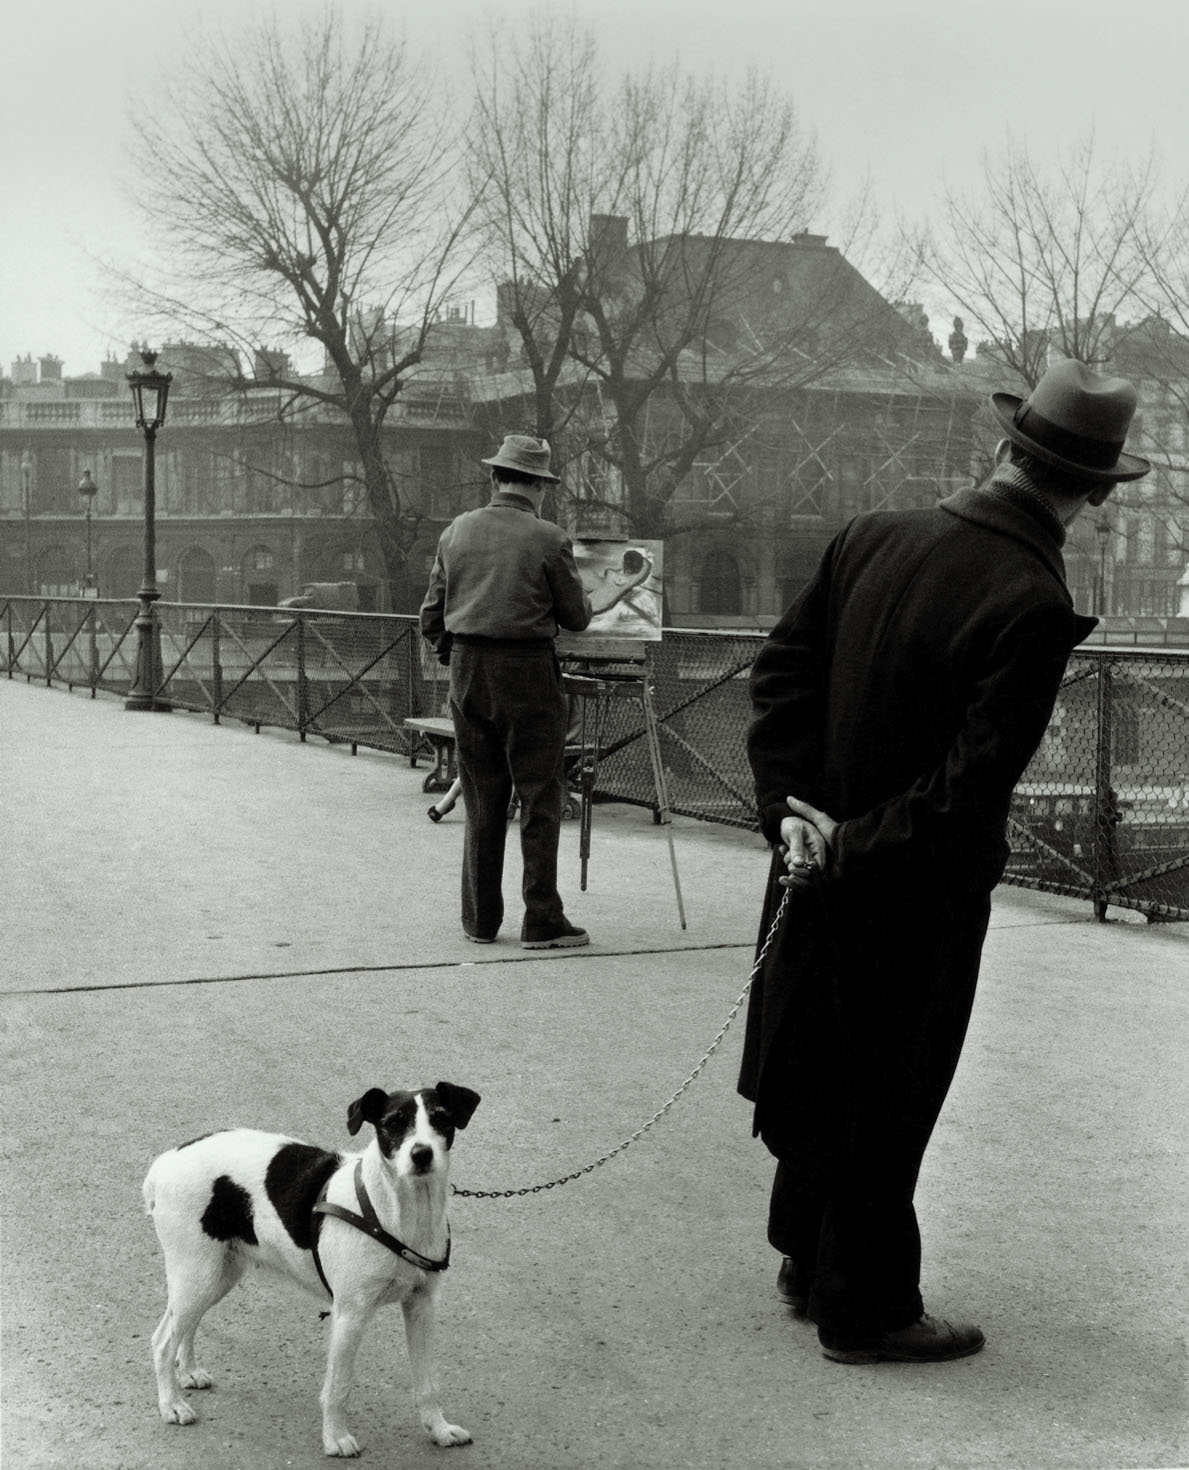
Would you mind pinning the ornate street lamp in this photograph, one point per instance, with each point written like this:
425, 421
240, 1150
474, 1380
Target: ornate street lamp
88, 489
150, 394
1102, 529
26, 476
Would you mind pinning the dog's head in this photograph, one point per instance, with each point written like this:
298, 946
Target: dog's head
414, 1130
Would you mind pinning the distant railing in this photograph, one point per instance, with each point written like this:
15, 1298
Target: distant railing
350, 678
1101, 813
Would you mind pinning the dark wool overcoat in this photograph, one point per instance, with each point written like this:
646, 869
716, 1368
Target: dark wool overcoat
903, 694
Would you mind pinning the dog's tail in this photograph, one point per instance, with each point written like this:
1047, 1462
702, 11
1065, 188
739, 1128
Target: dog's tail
149, 1188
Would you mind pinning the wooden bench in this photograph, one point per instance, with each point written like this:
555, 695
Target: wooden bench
438, 735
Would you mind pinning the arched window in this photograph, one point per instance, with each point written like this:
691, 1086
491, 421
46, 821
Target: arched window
196, 576
125, 572
720, 585
260, 583
793, 572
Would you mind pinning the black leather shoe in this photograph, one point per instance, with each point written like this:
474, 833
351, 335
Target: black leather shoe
792, 1288
563, 935
927, 1340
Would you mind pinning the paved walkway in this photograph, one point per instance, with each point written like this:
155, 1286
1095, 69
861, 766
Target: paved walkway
206, 926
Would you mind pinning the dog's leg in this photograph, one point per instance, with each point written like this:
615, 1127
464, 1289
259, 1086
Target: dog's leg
174, 1408
192, 1293
190, 1375
347, 1323
420, 1323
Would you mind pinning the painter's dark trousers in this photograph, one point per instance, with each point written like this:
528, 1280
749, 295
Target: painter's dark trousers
510, 719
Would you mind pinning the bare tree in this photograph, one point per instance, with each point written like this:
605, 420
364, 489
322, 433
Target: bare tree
638, 230
535, 151
1040, 261
1081, 261
297, 180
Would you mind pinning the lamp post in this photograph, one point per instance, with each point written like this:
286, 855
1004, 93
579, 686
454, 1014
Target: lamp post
1102, 529
26, 476
88, 489
150, 393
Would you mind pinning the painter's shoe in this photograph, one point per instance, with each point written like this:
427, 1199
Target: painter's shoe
559, 935
927, 1340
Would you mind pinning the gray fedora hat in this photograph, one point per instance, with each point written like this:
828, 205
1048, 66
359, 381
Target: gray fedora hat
524, 453
1075, 419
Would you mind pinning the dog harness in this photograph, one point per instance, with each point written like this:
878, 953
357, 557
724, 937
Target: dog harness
369, 1222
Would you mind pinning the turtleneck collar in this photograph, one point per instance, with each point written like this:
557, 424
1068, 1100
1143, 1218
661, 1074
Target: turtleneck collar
1011, 483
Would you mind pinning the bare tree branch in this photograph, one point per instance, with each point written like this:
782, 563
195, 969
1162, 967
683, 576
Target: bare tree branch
302, 180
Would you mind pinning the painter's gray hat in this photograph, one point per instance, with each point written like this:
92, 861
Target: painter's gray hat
524, 453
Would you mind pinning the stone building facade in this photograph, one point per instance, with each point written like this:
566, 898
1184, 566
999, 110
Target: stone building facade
254, 500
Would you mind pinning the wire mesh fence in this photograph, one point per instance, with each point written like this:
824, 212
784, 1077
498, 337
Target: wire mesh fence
699, 692
1101, 813
1103, 809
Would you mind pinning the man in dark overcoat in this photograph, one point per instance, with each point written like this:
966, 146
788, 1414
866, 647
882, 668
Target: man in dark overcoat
896, 705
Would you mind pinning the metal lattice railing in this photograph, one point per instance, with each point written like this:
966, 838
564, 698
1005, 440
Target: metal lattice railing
1103, 809
350, 678
1101, 813
699, 691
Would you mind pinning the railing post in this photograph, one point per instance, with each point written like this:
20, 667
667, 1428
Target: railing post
93, 649
413, 679
303, 693
12, 648
49, 645
216, 665
1106, 804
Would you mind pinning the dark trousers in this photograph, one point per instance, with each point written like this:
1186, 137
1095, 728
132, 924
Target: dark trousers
857, 1258
510, 718
884, 1021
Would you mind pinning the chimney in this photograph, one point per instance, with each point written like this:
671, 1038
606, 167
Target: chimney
270, 364
608, 239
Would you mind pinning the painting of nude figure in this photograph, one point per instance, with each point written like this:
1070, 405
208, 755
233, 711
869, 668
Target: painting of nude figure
623, 581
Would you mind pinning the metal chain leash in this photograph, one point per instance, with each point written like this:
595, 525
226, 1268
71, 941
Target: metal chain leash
657, 1116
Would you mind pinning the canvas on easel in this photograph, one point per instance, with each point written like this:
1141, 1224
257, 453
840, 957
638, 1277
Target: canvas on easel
624, 581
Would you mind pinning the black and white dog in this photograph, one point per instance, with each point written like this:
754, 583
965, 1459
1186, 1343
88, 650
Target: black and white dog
360, 1230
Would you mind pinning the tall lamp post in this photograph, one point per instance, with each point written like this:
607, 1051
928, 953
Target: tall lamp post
88, 489
150, 393
26, 477
1102, 529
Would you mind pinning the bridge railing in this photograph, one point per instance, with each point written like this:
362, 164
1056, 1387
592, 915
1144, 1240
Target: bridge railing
1101, 813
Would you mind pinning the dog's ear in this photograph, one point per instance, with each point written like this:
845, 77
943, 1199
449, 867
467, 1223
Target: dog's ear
367, 1109
461, 1101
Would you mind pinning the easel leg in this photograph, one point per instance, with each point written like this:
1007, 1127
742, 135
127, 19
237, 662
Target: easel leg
586, 782
662, 793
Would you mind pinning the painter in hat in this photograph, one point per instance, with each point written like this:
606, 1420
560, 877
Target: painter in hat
503, 582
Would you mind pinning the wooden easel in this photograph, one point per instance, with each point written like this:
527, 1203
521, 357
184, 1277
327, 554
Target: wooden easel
596, 685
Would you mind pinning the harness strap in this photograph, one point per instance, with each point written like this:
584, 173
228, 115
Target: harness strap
369, 1222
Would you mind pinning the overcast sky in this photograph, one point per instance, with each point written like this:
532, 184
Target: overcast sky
910, 92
